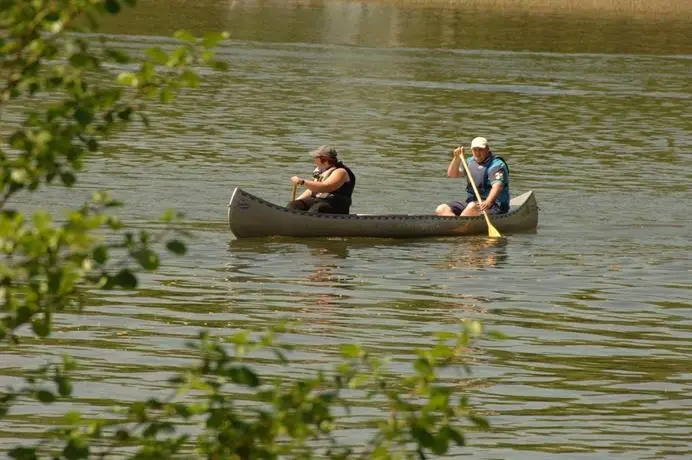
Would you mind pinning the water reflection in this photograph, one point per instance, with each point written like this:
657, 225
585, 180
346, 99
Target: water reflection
478, 253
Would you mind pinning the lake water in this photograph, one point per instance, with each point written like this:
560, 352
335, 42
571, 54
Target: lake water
593, 113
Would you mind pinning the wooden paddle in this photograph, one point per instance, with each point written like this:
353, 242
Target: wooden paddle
293, 192
492, 231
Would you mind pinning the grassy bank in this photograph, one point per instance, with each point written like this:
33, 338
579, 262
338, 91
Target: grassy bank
629, 7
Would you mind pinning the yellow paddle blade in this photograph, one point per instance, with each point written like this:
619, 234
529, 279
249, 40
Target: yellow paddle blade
492, 231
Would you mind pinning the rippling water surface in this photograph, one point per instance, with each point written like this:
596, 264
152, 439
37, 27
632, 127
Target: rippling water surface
597, 303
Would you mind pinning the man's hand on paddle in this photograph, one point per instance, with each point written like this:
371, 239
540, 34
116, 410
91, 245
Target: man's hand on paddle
459, 153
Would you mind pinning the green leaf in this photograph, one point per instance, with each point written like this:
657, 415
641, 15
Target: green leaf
23, 453
82, 60
183, 410
190, 78
122, 435
440, 444
112, 6
480, 422
92, 145
166, 95
52, 16
64, 385
100, 254
184, 35
497, 335
422, 366
45, 396
157, 55
19, 176
83, 116
147, 259
125, 113
220, 66
240, 338
117, 55
41, 327
176, 247
91, 19
422, 435
68, 363
68, 178
212, 39
126, 279
73, 417
76, 450
445, 335
168, 216
41, 220
281, 356
128, 79
350, 350
455, 434
243, 376
114, 223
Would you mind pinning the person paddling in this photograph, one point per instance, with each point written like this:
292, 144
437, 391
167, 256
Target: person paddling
489, 172
332, 186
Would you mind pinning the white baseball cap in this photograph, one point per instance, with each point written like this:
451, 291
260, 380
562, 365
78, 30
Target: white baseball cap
479, 142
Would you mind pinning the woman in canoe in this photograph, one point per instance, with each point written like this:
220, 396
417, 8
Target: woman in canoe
491, 175
332, 185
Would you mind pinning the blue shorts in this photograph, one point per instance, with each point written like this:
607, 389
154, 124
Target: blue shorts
458, 206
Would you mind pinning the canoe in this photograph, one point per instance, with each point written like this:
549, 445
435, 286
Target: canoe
251, 216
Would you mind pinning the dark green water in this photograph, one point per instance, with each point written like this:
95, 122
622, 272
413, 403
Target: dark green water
593, 113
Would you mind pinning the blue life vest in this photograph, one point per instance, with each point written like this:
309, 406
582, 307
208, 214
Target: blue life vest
479, 173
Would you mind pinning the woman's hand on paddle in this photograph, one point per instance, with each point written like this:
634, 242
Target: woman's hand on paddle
297, 180
459, 153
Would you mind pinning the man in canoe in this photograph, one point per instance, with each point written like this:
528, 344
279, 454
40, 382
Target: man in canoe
491, 175
332, 185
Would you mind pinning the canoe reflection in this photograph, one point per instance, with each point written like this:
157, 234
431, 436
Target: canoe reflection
480, 252
329, 256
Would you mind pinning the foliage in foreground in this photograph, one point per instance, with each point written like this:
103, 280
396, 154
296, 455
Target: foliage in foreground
278, 417
62, 83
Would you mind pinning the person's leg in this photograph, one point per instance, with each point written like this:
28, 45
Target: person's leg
301, 205
453, 208
320, 205
335, 205
473, 210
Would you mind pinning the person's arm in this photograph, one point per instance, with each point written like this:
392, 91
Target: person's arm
331, 183
454, 169
494, 194
305, 194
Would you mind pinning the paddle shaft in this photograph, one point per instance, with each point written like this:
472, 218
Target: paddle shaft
293, 192
492, 231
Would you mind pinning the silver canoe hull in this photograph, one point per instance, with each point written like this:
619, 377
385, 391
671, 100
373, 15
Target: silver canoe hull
251, 216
